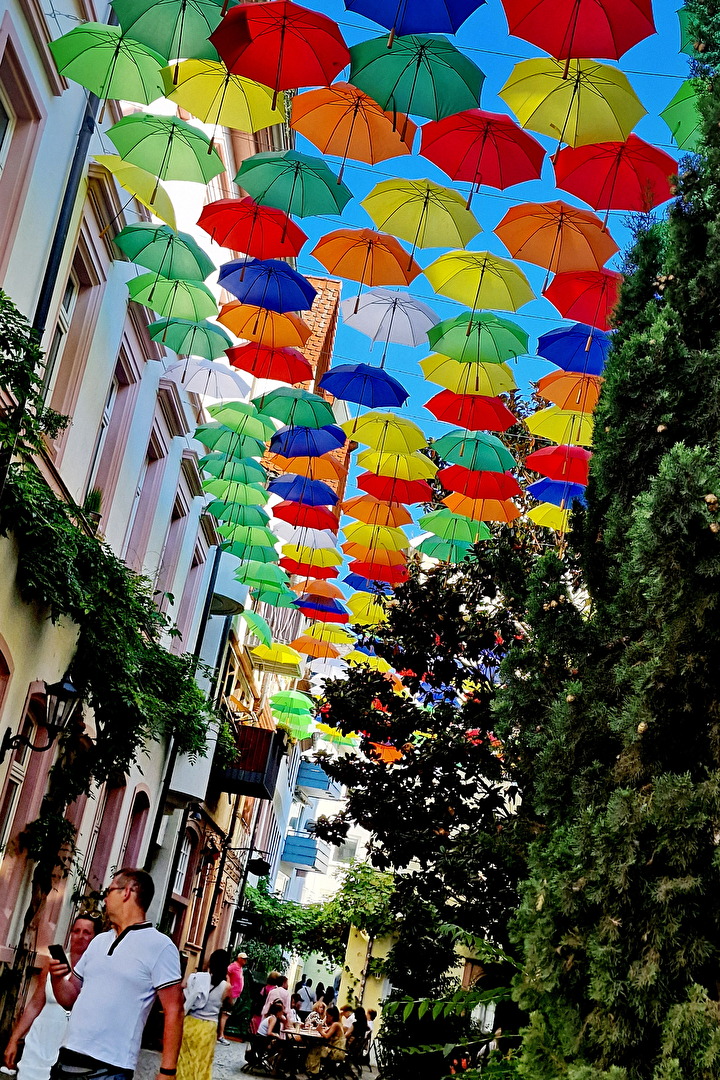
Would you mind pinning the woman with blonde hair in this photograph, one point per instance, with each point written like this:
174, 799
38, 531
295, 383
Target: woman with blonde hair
205, 994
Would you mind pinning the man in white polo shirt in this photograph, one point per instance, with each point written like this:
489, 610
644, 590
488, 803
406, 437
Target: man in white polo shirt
113, 987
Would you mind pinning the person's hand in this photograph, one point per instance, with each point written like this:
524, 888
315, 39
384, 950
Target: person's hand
10, 1055
58, 970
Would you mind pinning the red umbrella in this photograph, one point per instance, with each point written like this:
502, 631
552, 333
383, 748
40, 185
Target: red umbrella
307, 570
588, 297
473, 411
482, 148
286, 365
630, 175
260, 231
390, 489
281, 45
306, 517
569, 463
393, 575
479, 485
318, 615
581, 28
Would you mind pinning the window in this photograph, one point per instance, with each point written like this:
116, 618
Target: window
105, 422
182, 866
7, 126
136, 831
61, 332
142, 514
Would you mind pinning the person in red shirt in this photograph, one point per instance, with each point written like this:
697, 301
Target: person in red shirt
237, 981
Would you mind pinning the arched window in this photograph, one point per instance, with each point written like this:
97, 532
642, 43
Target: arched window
136, 830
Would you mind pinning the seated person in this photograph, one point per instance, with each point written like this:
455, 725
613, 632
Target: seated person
333, 1046
271, 1032
316, 1019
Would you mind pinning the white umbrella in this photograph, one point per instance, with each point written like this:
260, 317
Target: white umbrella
386, 316
208, 378
314, 538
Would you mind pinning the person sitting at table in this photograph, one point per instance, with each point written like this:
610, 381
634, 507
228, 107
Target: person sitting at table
333, 1046
294, 1014
357, 1036
316, 1019
272, 1031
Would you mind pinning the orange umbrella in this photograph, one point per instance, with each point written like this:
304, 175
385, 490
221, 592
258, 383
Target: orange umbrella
310, 647
385, 752
558, 236
268, 327
571, 390
384, 556
374, 512
363, 255
482, 509
343, 121
319, 588
315, 468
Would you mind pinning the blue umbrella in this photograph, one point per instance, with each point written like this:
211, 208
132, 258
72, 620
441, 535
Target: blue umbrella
307, 442
578, 348
557, 492
301, 489
267, 283
364, 384
363, 584
416, 16
321, 603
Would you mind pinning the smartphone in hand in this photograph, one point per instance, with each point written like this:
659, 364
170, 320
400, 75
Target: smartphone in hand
58, 953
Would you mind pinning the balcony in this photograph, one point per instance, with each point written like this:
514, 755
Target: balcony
306, 852
315, 782
255, 770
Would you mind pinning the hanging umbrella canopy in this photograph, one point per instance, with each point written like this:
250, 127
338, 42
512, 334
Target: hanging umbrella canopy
260, 231
259, 574
307, 569
579, 393
589, 297
309, 647
449, 551
166, 147
479, 279
295, 407
423, 213
240, 516
474, 450
683, 118
483, 509
173, 28
271, 328
393, 575
489, 380
482, 147
335, 634
214, 95
366, 256
142, 185
479, 485
473, 411
301, 534
366, 611
380, 536
320, 589
323, 616
414, 466
363, 384
299, 489
173, 299
280, 598
323, 467
278, 654
288, 698
188, 338
252, 534
293, 182
406, 17
579, 28
278, 365
208, 378
559, 493
258, 626
419, 74
259, 553
386, 432
552, 517
391, 489
158, 247
107, 63
389, 316
243, 418
584, 102
380, 555
567, 463
367, 659
562, 426
306, 517
230, 491
454, 527
555, 235
320, 557
478, 337
334, 735
629, 175
267, 283
374, 512
221, 439
307, 441
580, 348
244, 470
376, 588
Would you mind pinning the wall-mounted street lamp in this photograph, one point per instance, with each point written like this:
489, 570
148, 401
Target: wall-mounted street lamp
62, 701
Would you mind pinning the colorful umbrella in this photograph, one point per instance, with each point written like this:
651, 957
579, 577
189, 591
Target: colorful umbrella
243, 515
454, 527
335, 634
310, 647
474, 450
214, 95
380, 536
366, 256
271, 328
579, 28
373, 571
323, 589
421, 212
158, 247
366, 611
299, 489
579, 348
278, 654
324, 467
280, 598
310, 517
385, 431
555, 235
381, 556
246, 470
373, 512
251, 535
489, 380
243, 418
259, 553
293, 182
483, 509
295, 407
478, 485
142, 185
589, 297
307, 441
166, 147
562, 426
585, 103
479, 279
414, 466
267, 283
188, 338
173, 299
229, 491
261, 231
307, 569
104, 61
221, 439
579, 393
363, 384
568, 463
389, 316
390, 489
293, 697
559, 493
280, 365
377, 588
630, 175
473, 411
205, 377
316, 539
552, 517
174, 28
480, 338
450, 551
260, 574
682, 116
423, 75
406, 17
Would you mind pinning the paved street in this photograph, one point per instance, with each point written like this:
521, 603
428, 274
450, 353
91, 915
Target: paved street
228, 1062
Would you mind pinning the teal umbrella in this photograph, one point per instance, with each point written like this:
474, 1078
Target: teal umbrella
295, 407
166, 147
259, 626
232, 511
241, 515
242, 417
282, 598
160, 248
104, 61
451, 551
222, 440
181, 299
244, 471
261, 575
478, 337
174, 28
475, 450
293, 182
188, 338
258, 553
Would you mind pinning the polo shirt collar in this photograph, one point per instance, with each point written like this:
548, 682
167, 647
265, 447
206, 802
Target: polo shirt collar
119, 938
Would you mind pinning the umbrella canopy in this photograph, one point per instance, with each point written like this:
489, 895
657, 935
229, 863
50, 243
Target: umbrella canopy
366, 256
236, 513
558, 492
552, 517
307, 569
260, 574
373, 571
629, 175
293, 182
567, 463
205, 377
389, 316
305, 553
405, 17
231, 491
295, 407
365, 609
555, 235
299, 489
174, 28
243, 418
385, 431
311, 538
307, 442
271, 328
683, 118
478, 337
586, 102
281, 44
324, 467
142, 185
280, 365
280, 598
450, 551
374, 512
260, 231
562, 426
422, 212
414, 466
423, 75
321, 589
454, 527
158, 247
104, 61
578, 393
483, 509
310, 647
259, 553
380, 555
381, 536
214, 95
166, 147
188, 338
589, 297
173, 299
474, 450
278, 654
473, 411
478, 485
390, 489
378, 588
246, 470
293, 697
258, 626
251, 534
267, 283
306, 517
479, 279
579, 348
221, 439
578, 28
363, 384
489, 380
482, 148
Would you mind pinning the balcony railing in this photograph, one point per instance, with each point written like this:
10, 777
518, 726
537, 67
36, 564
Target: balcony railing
314, 781
307, 852
254, 771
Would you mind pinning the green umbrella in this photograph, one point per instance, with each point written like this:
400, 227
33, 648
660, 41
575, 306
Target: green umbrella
242, 515
683, 118
296, 407
174, 28
229, 491
478, 338
292, 697
252, 552
245, 471
181, 299
687, 44
293, 182
188, 338
166, 147
249, 534
101, 59
221, 439
474, 450
242, 417
421, 74
454, 527
450, 551
160, 248
282, 598
252, 573
258, 625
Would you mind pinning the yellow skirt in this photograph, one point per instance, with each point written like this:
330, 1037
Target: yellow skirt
197, 1050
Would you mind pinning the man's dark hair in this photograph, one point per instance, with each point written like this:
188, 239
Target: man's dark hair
94, 917
141, 881
308, 982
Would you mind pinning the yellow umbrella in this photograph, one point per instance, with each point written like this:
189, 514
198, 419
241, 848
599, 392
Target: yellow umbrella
487, 379
562, 426
210, 92
381, 536
335, 735
422, 212
400, 466
277, 654
578, 102
142, 185
552, 517
337, 635
365, 610
385, 431
480, 280
376, 663
322, 557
